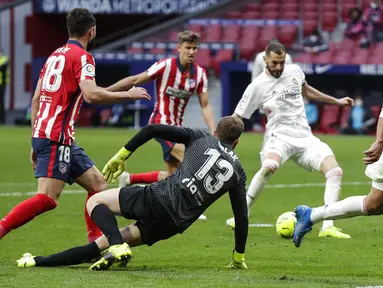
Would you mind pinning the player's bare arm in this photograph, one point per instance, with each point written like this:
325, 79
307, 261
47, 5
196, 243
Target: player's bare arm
129, 82
96, 95
315, 95
207, 111
34, 110
375, 151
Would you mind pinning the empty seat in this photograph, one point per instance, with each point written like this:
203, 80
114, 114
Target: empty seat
233, 15
213, 33
329, 21
203, 58
251, 15
304, 58
252, 7
309, 26
231, 33
223, 55
324, 57
329, 119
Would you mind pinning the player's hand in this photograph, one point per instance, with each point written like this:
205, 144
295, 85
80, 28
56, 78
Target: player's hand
373, 153
238, 261
137, 93
346, 101
115, 166
33, 159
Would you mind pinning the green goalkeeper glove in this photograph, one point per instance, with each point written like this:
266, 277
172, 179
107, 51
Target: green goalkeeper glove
116, 165
238, 261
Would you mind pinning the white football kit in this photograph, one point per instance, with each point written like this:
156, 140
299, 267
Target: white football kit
287, 131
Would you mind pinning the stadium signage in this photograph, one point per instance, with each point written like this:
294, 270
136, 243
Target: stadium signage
124, 6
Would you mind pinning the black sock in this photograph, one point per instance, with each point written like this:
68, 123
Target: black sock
73, 256
107, 223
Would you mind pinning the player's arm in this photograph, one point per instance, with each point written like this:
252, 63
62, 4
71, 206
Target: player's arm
129, 82
97, 95
249, 102
315, 95
116, 165
35, 102
375, 151
239, 206
207, 111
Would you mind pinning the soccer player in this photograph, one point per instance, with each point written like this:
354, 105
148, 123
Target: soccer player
353, 206
259, 62
278, 92
165, 208
66, 79
177, 79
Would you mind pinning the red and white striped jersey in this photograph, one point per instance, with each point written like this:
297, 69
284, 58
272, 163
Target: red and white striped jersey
60, 97
174, 87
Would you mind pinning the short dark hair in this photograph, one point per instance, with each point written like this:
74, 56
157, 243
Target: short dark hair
275, 47
79, 21
229, 129
188, 36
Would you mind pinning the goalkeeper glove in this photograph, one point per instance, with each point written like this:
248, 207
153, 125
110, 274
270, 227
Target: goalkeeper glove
116, 165
238, 261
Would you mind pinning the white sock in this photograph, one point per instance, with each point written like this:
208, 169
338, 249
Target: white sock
347, 208
332, 191
259, 181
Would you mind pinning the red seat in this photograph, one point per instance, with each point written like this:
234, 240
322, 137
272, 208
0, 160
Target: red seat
287, 35
324, 57
173, 35
213, 33
288, 6
310, 15
290, 15
361, 57
157, 51
196, 28
307, 6
342, 58
251, 15
344, 116
270, 7
348, 44
304, 58
376, 109
203, 58
252, 7
248, 48
309, 26
270, 15
329, 119
329, 21
233, 15
222, 56
251, 32
135, 50
231, 33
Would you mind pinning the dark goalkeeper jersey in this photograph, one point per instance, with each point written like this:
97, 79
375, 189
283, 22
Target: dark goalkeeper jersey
210, 169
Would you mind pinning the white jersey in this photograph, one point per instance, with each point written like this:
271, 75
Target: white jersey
259, 64
280, 99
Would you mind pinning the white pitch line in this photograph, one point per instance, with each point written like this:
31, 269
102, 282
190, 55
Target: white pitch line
276, 186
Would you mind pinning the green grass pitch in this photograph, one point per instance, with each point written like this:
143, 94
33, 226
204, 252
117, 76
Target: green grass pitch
198, 258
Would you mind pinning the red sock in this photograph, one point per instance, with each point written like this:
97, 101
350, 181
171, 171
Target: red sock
93, 231
25, 212
144, 178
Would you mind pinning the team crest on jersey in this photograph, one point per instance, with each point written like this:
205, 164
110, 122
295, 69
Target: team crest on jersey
89, 70
192, 83
295, 81
63, 168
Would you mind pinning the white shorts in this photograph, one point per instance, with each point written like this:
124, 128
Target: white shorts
374, 171
307, 152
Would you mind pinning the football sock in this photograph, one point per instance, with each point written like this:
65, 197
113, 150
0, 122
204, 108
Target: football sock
256, 186
332, 191
144, 178
72, 256
93, 231
347, 208
107, 223
25, 212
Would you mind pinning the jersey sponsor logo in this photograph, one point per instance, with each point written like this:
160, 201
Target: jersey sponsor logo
178, 93
193, 189
45, 98
89, 70
292, 93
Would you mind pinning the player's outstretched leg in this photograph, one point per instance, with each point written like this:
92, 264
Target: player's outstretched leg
269, 166
331, 195
127, 179
114, 253
303, 225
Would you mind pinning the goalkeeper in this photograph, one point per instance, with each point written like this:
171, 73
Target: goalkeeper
166, 208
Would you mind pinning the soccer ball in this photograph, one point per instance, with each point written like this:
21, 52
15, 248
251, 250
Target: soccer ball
285, 224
